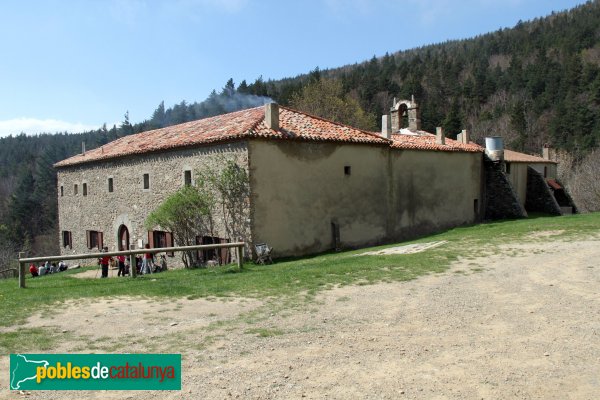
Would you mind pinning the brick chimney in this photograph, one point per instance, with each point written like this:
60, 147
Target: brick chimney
272, 116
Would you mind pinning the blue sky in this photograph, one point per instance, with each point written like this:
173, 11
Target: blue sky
74, 65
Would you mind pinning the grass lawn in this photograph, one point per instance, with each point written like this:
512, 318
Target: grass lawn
291, 279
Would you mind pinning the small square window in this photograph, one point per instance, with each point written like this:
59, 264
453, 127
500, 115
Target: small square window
75, 189
84, 189
110, 185
187, 177
347, 170
94, 239
67, 239
146, 181
62, 191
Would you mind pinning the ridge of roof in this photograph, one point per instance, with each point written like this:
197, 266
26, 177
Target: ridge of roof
427, 141
214, 129
250, 123
517, 157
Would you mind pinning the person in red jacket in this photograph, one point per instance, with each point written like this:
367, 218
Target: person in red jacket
34, 271
104, 261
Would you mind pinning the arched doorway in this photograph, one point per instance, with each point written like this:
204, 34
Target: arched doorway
123, 238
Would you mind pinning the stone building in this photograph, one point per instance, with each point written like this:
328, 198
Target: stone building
315, 185
535, 181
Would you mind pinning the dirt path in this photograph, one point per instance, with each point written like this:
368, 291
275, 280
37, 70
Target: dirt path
524, 325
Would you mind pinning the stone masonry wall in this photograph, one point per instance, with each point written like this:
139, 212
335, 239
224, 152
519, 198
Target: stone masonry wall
501, 201
539, 195
129, 204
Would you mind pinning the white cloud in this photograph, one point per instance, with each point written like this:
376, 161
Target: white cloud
32, 126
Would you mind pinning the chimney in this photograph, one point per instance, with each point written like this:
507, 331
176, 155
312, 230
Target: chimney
546, 150
439, 136
83, 148
272, 116
386, 126
465, 136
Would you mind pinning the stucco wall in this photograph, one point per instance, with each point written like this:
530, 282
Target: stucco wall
129, 203
518, 176
550, 169
299, 189
434, 190
518, 180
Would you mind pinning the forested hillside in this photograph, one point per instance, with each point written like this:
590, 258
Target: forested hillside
536, 83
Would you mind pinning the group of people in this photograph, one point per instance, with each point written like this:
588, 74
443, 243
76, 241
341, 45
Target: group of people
147, 265
107, 260
47, 268
144, 264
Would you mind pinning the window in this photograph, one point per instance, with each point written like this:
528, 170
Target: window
67, 239
110, 185
187, 178
508, 168
75, 189
347, 170
545, 172
476, 206
220, 255
62, 191
158, 239
94, 240
84, 189
146, 181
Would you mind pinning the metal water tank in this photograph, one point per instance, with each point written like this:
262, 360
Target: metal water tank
494, 148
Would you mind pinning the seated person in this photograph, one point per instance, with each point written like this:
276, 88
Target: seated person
42, 270
33, 270
62, 266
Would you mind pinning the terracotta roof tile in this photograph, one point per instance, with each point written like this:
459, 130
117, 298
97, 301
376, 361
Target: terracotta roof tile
426, 141
293, 125
208, 130
515, 156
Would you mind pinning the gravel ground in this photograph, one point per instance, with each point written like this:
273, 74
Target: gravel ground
523, 324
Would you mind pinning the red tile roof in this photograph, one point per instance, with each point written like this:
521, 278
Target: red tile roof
554, 185
426, 141
515, 156
293, 125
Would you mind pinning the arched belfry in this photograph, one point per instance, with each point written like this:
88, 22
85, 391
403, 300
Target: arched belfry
405, 110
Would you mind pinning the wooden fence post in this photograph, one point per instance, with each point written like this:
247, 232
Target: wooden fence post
132, 265
239, 255
21, 271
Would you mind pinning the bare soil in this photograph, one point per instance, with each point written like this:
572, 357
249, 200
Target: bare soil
522, 324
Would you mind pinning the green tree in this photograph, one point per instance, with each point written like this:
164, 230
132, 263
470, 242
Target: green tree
325, 98
187, 213
126, 128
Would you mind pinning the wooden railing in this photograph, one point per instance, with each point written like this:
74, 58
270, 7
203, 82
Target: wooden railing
239, 248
